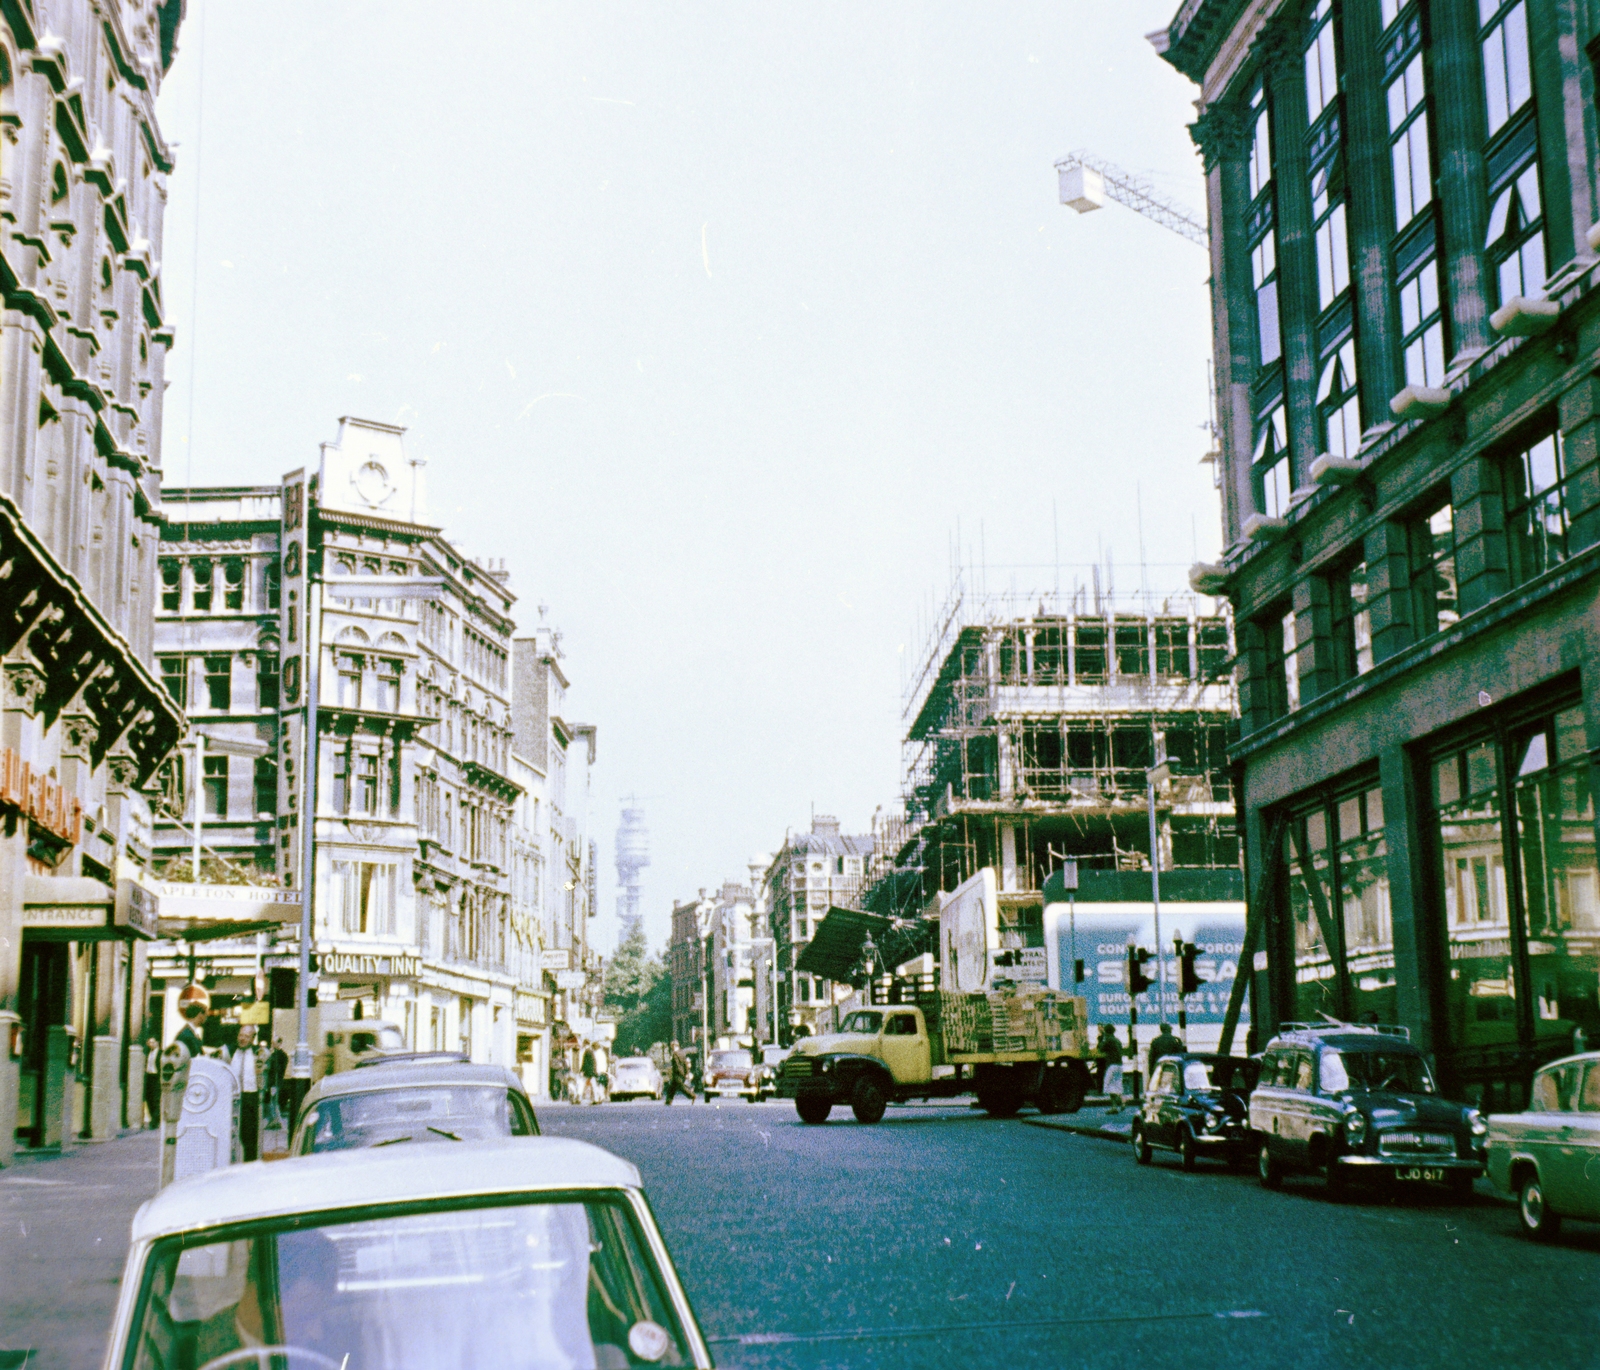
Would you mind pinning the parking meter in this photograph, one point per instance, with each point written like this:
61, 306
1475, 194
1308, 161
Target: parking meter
174, 1084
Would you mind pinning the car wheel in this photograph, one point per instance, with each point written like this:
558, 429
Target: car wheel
867, 1101
1539, 1221
1141, 1148
812, 1109
1268, 1171
1189, 1149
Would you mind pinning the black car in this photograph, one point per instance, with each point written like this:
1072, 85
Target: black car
1197, 1106
1357, 1101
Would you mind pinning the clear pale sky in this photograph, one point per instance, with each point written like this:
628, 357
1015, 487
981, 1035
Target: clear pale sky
722, 323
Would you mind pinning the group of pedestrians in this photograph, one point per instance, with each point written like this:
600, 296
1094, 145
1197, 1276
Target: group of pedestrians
262, 1074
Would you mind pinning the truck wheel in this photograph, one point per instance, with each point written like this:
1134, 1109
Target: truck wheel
867, 1101
812, 1109
1063, 1088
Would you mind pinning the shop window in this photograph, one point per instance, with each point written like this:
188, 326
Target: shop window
1408, 143
219, 682
203, 572
1537, 522
1507, 82
171, 586
1524, 953
1339, 403
1434, 599
175, 677
1339, 899
1350, 622
1274, 480
216, 786
1422, 326
233, 584
1515, 240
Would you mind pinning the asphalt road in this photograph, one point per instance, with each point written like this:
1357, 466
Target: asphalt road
941, 1237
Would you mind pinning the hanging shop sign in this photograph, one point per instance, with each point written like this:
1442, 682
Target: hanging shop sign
555, 960
77, 909
36, 796
570, 979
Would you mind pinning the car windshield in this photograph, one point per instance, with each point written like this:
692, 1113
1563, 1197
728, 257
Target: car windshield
772, 1055
632, 1064
730, 1060
1228, 1072
422, 1113
862, 1020
1376, 1071
531, 1284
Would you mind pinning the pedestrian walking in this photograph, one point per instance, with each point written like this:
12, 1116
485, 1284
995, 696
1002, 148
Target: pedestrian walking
587, 1068
152, 1081
1165, 1044
243, 1066
276, 1068
602, 1078
678, 1074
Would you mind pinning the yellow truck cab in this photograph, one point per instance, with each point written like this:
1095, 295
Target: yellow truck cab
892, 1054
347, 1044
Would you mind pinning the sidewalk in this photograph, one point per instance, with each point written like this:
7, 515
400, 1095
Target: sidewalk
64, 1222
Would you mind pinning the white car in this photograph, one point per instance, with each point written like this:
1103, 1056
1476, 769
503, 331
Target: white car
634, 1077
1548, 1156
536, 1252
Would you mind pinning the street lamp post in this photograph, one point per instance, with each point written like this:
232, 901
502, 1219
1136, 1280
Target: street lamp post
300, 1063
1159, 774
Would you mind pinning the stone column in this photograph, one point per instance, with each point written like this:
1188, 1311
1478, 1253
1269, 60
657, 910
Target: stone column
1222, 133
1369, 214
1580, 433
1283, 72
1477, 498
1563, 85
1255, 694
1456, 98
1389, 590
1313, 633
1418, 932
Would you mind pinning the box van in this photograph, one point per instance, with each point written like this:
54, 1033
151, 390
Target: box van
345, 1045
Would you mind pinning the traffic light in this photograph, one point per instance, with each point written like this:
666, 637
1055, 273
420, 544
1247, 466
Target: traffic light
1188, 976
1077, 971
1138, 981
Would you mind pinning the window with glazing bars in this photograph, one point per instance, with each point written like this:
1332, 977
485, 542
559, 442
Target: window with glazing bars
175, 676
1327, 161
1408, 142
1422, 326
1507, 82
1339, 403
1433, 571
203, 572
1350, 621
1537, 522
219, 682
1263, 235
1516, 236
171, 586
233, 584
1271, 465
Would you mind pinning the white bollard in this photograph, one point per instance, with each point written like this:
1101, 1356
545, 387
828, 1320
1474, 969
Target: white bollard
208, 1128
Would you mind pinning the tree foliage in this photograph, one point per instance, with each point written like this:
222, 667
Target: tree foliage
638, 991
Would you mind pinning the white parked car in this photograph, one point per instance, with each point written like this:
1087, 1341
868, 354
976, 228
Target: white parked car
538, 1252
1548, 1157
634, 1077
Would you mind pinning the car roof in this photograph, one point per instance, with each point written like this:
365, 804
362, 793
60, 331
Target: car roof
1572, 1060
1347, 1037
635, 1061
412, 1073
362, 1178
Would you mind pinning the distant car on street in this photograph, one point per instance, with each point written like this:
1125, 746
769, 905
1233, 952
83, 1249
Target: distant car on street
1548, 1157
1357, 1101
516, 1253
416, 1098
769, 1069
731, 1073
635, 1077
1197, 1105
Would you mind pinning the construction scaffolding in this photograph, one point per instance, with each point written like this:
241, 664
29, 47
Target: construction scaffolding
1031, 721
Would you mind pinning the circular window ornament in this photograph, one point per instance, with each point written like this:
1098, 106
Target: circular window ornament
371, 481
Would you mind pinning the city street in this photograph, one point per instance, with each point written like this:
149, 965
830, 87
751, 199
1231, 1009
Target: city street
942, 1237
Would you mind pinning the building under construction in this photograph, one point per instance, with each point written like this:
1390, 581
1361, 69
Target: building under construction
1028, 736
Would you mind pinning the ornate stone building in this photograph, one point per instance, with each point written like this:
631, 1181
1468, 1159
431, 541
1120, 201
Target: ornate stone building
1402, 199
435, 902
83, 721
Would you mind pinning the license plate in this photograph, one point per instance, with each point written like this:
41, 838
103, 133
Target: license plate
1419, 1172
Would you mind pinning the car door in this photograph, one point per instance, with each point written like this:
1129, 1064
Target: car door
905, 1050
1584, 1140
1545, 1132
1267, 1100
1163, 1105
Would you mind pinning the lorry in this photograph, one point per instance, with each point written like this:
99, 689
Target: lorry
983, 1022
1007, 1048
352, 1041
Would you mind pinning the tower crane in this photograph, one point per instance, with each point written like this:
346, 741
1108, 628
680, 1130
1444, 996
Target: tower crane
1087, 182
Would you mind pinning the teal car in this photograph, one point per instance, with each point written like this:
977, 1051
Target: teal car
1548, 1157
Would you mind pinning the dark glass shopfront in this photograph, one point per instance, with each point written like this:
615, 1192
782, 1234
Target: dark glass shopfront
1508, 916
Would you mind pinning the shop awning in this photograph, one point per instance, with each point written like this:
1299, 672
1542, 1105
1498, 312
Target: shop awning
836, 946
77, 909
208, 913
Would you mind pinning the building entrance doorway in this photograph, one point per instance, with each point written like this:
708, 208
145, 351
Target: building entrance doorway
42, 1004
